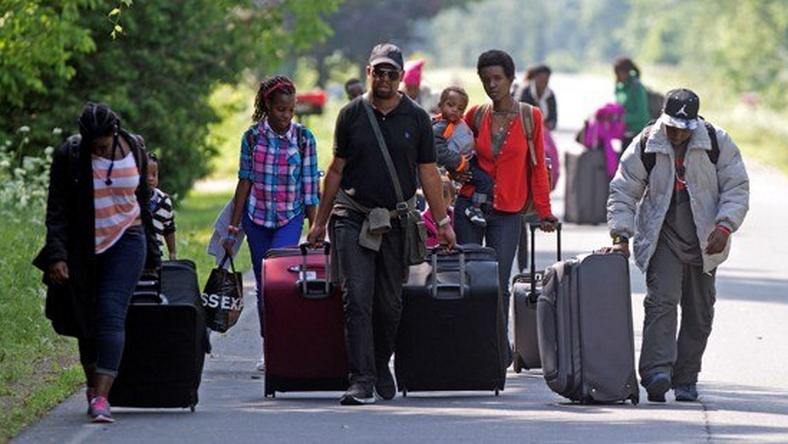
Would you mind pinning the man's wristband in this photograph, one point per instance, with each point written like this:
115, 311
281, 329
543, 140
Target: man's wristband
445, 221
619, 239
724, 229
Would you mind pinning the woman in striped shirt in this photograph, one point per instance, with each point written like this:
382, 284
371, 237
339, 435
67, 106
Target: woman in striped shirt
99, 238
277, 180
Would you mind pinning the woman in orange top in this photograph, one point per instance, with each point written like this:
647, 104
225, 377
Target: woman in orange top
502, 151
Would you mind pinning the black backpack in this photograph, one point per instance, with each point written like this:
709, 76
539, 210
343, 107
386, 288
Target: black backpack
650, 159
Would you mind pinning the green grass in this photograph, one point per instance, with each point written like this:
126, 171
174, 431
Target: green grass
758, 131
194, 223
37, 367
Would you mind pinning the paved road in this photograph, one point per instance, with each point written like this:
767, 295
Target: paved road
744, 388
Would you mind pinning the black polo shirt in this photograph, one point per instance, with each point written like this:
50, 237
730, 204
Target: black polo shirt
408, 134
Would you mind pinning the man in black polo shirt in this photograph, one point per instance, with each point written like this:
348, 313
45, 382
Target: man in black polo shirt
358, 188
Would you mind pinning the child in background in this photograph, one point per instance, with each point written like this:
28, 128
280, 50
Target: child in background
454, 142
161, 209
429, 221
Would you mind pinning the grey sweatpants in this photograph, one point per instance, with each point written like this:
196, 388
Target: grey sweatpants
671, 282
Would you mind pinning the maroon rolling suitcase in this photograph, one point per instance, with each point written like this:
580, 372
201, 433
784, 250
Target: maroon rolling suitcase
304, 323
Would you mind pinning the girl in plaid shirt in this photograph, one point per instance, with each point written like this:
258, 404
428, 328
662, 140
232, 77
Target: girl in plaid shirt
277, 179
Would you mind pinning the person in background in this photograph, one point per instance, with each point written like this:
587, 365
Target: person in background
353, 88
681, 190
415, 89
277, 180
99, 239
449, 193
454, 143
631, 93
161, 208
536, 92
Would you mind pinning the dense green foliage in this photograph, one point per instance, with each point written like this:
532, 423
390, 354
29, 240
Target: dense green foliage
158, 73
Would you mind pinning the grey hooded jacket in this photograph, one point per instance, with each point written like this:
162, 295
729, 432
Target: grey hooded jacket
639, 201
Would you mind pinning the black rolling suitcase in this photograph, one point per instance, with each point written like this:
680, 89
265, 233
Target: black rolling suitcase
165, 343
586, 339
526, 288
585, 199
451, 334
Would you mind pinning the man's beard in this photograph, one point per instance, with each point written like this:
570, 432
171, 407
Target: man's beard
384, 95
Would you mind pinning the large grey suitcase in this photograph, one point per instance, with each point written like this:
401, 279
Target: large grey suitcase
526, 288
586, 339
585, 201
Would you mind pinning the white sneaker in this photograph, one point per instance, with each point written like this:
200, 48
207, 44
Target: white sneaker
260, 366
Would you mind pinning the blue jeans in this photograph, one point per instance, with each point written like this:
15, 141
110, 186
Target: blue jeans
502, 234
118, 270
482, 182
262, 239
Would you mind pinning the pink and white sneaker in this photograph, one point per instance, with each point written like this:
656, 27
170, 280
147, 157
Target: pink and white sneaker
99, 410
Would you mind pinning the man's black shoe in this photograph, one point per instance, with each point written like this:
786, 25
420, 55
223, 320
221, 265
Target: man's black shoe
358, 394
656, 386
385, 384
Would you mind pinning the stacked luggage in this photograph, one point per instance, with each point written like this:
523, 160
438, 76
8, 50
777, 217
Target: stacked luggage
585, 334
451, 332
587, 182
304, 324
165, 341
526, 288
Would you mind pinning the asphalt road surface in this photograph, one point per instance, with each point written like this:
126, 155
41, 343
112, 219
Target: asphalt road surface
744, 388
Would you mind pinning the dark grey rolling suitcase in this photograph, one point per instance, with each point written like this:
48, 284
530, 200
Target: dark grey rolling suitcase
451, 334
586, 338
526, 288
165, 343
585, 201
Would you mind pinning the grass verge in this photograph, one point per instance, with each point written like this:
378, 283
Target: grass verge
37, 367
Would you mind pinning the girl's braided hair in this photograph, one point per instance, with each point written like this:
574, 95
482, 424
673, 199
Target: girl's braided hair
269, 87
97, 120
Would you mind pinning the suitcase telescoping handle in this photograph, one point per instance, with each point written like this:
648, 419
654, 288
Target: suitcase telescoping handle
533, 227
438, 288
304, 247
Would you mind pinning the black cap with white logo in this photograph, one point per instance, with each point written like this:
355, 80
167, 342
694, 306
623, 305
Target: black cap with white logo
386, 53
680, 109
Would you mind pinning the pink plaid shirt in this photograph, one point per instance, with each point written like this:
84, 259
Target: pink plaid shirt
283, 172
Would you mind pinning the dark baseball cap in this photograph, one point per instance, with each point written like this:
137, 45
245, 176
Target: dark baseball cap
386, 53
680, 109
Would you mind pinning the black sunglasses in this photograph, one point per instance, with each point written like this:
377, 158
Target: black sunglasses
389, 74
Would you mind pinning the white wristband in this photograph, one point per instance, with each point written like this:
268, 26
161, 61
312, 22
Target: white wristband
445, 221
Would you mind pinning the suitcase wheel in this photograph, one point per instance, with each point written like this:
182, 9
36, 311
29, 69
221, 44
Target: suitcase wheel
497, 392
192, 408
404, 393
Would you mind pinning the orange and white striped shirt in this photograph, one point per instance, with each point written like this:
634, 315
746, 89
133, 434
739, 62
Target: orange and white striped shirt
116, 204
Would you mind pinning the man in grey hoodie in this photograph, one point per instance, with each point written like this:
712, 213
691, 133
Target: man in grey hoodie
680, 191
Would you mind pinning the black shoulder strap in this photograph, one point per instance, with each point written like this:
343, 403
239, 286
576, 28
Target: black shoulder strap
648, 159
384, 151
300, 139
714, 154
74, 143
